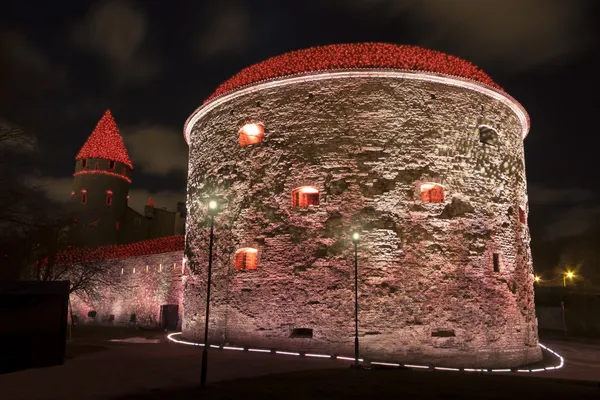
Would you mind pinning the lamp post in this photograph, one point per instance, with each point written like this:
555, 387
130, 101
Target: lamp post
212, 211
355, 239
566, 275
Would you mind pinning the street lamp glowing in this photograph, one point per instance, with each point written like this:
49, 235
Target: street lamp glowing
355, 236
537, 279
570, 275
213, 207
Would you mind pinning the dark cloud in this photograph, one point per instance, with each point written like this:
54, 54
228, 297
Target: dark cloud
156, 150
25, 72
542, 195
516, 34
572, 221
228, 32
117, 31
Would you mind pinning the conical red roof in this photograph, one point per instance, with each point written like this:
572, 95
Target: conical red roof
105, 142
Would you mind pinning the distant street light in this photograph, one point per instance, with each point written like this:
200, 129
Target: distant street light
355, 239
213, 209
569, 275
537, 279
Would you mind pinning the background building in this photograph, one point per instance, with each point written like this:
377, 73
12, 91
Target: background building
99, 209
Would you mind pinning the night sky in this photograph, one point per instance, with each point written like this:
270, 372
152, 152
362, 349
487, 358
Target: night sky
62, 63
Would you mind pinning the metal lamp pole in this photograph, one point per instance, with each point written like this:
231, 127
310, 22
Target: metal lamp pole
212, 211
355, 239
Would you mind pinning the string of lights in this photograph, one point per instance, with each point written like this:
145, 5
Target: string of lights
355, 56
105, 142
561, 363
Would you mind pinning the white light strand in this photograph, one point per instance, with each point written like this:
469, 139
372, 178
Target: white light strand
482, 88
555, 367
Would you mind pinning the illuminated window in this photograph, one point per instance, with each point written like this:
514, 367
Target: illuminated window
246, 259
432, 193
305, 196
496, 261
487, 135
111, 165
83, 196
84, 163
251, 134
522, 216
109, 195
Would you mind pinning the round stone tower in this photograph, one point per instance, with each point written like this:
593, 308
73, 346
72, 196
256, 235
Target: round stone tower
100, 186
418, 151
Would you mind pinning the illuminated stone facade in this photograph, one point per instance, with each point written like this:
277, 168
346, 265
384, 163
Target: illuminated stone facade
139, 289
445, 282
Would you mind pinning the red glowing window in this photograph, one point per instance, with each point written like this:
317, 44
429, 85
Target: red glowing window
83, 196
522, 216
305, 196
246, 259
109, 195
432, 193
251, 134
111, 164
84, 163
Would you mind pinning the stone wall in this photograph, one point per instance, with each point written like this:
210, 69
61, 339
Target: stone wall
139, 285
428, 292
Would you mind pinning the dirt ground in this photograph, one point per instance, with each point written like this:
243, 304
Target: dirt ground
150, 367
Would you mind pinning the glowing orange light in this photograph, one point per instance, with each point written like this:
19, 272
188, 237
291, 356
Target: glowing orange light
537, 279
305, 196
432, 193
246, 259
251, 134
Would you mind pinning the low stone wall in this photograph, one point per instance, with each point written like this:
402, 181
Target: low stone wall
141, 285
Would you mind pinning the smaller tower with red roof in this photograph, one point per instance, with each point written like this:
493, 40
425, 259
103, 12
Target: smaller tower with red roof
100, 186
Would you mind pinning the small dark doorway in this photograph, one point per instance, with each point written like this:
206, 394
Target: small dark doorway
169, 316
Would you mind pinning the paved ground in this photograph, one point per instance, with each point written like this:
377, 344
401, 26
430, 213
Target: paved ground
100, 369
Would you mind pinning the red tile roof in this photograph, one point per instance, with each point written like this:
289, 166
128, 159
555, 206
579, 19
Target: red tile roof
355, 56
105, 142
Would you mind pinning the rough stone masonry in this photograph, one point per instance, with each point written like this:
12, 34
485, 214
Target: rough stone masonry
446, 283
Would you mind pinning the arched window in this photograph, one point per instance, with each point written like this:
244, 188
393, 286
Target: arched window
432, 193
246, 259
83, 196
109, 195
487, 135
251, 134
305, 196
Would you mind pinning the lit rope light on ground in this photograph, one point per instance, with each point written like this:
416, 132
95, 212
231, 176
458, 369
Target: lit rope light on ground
171, 337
